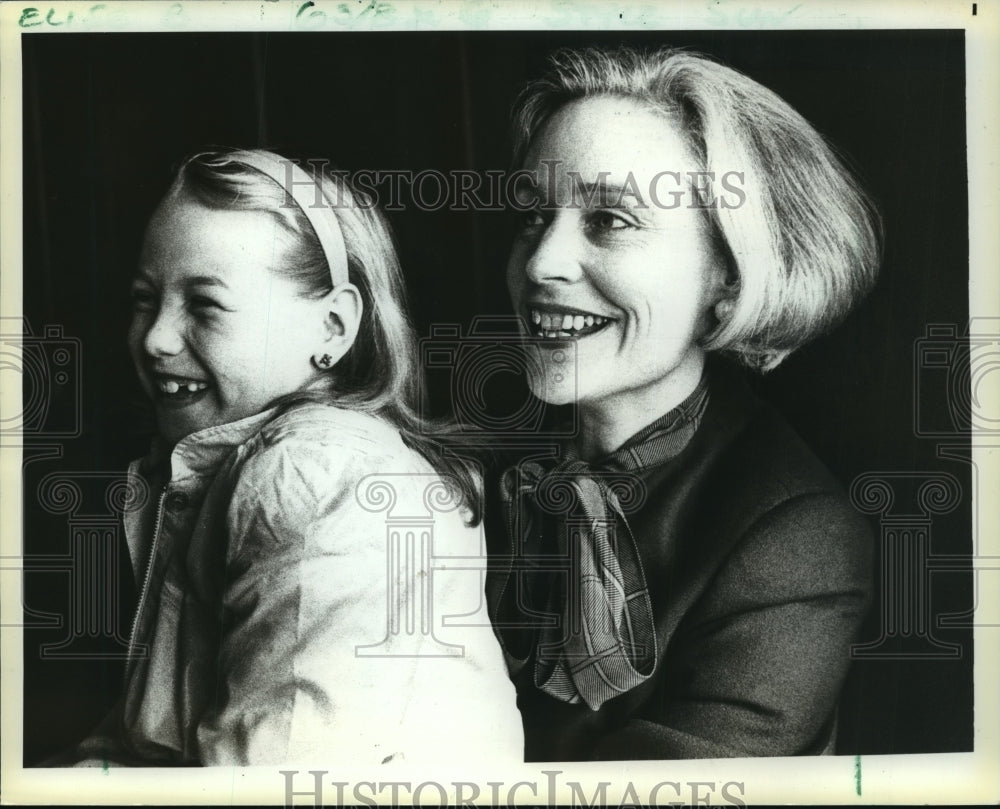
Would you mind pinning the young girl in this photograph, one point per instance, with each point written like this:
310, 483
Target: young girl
287, 516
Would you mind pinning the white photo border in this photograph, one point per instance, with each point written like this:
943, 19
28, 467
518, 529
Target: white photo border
926, 778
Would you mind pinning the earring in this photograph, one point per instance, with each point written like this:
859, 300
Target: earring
724, 309
324, 361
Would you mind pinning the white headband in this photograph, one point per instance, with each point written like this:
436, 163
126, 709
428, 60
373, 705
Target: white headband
308, 195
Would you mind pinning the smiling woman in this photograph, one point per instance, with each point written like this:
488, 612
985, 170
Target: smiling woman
686, 579
646, 275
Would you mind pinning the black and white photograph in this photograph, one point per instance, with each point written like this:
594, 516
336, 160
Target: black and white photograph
474, 404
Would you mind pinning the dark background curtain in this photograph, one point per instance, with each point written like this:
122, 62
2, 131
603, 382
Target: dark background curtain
106, 116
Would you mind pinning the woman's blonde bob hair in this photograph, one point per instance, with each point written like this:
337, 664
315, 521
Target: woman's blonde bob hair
805, 244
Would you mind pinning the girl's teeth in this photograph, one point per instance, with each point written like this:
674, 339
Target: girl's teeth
171, 386
588, 320
567, 321
578, 322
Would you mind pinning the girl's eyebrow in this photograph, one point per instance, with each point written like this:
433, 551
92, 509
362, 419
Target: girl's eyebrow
191, 281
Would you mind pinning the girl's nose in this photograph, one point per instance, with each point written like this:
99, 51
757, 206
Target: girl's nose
165, 336
555, 255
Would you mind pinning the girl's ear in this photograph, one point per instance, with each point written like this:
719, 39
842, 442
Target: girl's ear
342, 309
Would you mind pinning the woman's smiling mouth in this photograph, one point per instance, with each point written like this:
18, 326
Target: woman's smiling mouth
562, 324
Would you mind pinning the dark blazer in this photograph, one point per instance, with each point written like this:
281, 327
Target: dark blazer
759, 571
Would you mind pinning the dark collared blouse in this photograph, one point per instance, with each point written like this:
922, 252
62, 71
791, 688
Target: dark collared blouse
759, 575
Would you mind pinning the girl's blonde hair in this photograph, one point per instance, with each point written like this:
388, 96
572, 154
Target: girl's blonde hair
805, 244
379, 374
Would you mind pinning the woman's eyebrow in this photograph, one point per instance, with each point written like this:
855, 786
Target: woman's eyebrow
600, 191
205, 281
605, 193
525, 185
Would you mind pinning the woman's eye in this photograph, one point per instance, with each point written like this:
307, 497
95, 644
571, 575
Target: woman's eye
607, 220
532, 219
201, 303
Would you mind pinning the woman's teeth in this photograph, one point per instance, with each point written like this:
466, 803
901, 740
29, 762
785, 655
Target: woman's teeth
565, 325
170, 386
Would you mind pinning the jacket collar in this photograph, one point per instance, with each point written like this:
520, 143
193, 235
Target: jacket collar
201, 452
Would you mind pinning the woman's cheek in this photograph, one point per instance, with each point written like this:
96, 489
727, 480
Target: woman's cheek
520, 254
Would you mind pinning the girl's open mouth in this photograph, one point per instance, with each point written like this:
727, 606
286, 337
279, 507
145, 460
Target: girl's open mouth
177, 389
566, 325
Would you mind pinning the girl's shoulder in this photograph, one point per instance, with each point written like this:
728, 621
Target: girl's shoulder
326, 462
328, 425
319, 436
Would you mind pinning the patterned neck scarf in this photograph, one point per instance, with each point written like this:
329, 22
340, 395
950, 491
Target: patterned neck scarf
573, 595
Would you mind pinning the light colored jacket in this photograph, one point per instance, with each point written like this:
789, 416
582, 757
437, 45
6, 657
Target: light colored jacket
310, 593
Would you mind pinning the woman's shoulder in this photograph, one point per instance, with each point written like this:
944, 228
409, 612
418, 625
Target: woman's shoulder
746, 467
780, 522
752, 446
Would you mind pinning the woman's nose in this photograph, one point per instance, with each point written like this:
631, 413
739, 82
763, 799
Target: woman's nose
555, 255
165, 335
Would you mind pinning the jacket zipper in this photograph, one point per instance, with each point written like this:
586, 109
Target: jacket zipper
145, 582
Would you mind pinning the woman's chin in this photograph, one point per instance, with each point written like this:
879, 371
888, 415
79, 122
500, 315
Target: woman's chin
552, 372
554, 388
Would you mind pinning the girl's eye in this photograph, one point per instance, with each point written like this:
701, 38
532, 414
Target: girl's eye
143, 300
